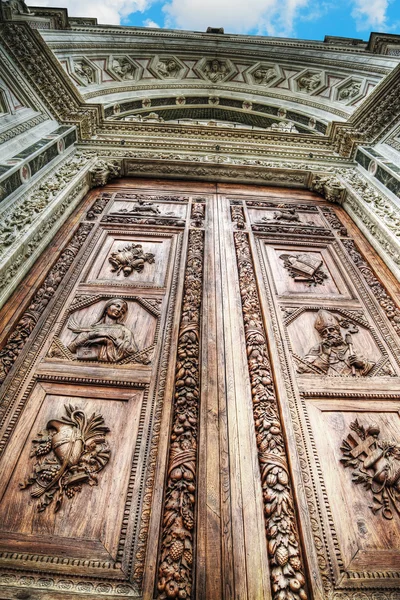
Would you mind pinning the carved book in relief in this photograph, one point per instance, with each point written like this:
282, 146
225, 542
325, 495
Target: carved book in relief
200, 399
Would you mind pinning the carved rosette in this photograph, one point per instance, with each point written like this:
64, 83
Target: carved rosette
287, 571
175, 570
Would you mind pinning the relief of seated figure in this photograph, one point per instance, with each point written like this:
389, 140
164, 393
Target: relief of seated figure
107, 339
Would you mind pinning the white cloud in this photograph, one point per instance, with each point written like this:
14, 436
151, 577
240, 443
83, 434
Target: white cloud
150, 23
274, 17
109, 12
370, 14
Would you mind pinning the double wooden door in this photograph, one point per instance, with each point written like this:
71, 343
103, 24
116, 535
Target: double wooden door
200, 399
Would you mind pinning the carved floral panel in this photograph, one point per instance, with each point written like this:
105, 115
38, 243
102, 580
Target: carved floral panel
119, 410
130, 260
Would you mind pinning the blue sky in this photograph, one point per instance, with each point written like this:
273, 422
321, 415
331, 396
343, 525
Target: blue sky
305, 19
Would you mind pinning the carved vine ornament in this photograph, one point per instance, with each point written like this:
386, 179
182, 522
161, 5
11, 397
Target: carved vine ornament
175, 570
376, 466
69, 453
287, 571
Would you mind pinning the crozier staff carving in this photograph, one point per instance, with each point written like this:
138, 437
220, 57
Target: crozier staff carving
334, 355
130, 258
107, 339
376, 466
69, 452
304, 268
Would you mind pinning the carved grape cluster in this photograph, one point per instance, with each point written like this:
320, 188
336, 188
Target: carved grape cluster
175, 571
288, 581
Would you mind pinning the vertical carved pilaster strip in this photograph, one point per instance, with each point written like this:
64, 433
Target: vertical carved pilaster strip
237, 216
19, 336
175, 571
287, 572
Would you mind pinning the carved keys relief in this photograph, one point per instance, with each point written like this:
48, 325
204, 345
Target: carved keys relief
376, 466
69, 453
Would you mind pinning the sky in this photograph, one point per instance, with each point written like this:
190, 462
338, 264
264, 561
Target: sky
304, 19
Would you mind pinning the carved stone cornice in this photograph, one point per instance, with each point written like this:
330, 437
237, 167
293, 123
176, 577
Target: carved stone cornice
373, 120
47, 77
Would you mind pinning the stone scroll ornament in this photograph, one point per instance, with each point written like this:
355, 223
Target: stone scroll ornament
287, 571
130, 258
69, 453
176, 559
376, 466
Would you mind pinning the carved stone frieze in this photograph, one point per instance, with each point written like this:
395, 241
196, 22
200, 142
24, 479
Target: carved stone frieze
19, 336
308, 82
19, 218
175, 578
39, 66
381, 205
69, 453
287, 570
375, 465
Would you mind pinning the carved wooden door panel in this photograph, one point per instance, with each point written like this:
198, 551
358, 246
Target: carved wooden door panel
200, 398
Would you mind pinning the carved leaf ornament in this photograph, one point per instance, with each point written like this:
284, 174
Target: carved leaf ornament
175, 570
287, 573
130, 258
69, 453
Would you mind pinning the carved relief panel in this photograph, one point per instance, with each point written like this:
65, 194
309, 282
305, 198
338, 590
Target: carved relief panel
200, 400
338, 353
83, 404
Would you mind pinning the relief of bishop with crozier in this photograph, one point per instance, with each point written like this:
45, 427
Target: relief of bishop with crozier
334, 355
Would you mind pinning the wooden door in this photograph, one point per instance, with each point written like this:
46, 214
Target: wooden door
200, 399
